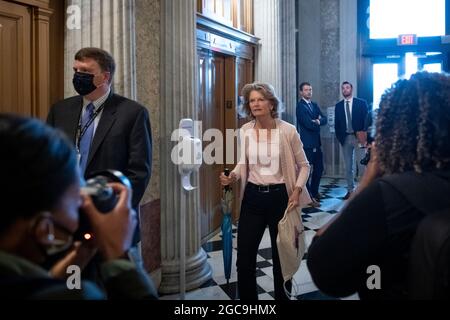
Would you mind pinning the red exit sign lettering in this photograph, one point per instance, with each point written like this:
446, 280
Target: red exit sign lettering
407, 40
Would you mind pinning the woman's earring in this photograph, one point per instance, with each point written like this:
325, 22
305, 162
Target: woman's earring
51, 232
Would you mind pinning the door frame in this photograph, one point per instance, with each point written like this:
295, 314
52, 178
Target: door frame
434, 59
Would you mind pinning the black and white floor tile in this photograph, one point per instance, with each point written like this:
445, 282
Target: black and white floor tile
313, 218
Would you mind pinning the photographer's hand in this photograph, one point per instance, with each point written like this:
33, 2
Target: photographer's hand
361, 136
372, 171
80, 255
113, 231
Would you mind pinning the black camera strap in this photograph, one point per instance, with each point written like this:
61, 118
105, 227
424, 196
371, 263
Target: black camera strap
81, 131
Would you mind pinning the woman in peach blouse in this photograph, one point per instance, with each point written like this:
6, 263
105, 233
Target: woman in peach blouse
273, 171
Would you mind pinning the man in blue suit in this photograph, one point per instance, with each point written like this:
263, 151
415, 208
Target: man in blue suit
309, 120
350, 116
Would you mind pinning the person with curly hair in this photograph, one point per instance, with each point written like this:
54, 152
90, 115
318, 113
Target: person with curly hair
407, 179
273, 170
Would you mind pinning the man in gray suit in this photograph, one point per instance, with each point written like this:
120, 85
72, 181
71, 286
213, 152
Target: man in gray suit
350, 122
109, 131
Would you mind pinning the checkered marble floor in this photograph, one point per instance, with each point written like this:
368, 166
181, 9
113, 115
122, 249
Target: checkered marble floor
313, 218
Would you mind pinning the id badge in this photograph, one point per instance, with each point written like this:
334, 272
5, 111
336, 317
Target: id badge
78, 157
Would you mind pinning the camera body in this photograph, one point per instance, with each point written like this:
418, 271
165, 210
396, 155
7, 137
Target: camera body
364, 161
103, 196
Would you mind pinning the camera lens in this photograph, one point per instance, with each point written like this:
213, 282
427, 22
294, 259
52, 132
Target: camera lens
102, 195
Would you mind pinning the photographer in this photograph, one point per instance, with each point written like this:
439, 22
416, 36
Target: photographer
407, 179
40, 196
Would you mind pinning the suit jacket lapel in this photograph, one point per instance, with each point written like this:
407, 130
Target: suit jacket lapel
312, 109
72, 116
107, 119
308, 108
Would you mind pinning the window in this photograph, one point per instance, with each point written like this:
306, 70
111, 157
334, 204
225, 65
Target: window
433, 67
390, 18
384, 75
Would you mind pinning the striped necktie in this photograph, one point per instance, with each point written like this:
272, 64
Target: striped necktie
349, 117
86, 139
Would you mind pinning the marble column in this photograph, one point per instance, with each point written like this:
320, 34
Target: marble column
267, 27
330, 52
348, 27
110, 25
330, 73
148, 55
288, 59
178, 100
309, 46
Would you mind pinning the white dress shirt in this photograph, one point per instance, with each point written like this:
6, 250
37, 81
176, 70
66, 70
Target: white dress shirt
97, 104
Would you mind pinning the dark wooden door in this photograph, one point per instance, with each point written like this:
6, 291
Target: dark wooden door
244, 75
211, 114
15, 59
221, 78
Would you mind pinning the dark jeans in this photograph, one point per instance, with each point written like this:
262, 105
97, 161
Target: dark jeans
259, 210
316, 161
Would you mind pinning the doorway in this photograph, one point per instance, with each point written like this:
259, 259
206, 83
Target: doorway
388, 69
220, 78
211, 113
398, 39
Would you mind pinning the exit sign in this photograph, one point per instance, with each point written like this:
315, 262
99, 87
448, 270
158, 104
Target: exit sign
407, 40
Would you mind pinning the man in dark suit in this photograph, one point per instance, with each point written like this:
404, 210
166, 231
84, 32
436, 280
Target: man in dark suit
350, 116
309, 120
108, 130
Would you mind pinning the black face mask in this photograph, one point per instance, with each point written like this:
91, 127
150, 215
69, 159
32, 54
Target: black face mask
83, 83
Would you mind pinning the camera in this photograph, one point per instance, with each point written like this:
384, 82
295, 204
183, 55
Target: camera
103, 197
364, 161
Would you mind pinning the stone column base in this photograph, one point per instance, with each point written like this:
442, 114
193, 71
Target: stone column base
198, 271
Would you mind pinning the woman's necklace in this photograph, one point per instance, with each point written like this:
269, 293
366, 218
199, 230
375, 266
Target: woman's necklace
265, 131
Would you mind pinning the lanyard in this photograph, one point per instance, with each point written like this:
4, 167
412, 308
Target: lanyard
82, 131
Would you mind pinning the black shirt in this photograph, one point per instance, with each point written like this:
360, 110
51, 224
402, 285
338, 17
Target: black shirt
375, 228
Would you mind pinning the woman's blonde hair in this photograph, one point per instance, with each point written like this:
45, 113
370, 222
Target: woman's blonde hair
267, 91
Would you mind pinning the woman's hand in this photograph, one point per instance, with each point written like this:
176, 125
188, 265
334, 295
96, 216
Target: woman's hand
293, 199
225, 181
